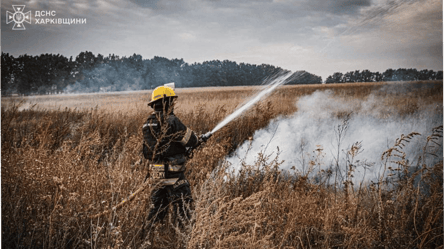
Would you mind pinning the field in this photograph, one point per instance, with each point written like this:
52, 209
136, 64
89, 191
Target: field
66, 158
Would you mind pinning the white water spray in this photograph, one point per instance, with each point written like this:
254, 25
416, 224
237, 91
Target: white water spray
268, 88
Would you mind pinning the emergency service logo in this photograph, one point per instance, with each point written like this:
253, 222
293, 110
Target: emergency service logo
18, 17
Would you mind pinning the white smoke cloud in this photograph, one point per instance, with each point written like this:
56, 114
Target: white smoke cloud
108, 78
315, 125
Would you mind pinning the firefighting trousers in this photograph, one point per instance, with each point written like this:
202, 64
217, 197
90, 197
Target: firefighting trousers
180, 198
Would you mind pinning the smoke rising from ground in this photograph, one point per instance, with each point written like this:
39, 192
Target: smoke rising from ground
106, 78
313, 132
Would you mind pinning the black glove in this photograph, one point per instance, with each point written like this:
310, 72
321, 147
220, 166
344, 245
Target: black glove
201, 139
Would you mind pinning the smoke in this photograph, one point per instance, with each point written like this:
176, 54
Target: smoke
108, 78
325, 127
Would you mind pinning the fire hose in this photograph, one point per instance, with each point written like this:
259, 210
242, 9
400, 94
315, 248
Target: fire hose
202, 139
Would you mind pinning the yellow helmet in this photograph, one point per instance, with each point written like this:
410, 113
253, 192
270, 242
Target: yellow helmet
160, 93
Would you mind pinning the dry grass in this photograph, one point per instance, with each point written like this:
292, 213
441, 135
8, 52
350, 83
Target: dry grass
61, 165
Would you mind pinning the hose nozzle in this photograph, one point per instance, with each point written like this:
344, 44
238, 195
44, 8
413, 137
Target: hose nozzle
206, 136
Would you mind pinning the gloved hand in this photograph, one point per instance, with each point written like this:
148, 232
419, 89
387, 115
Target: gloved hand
201, 139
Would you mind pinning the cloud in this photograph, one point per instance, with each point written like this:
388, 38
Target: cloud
185, 36
339, 7
411, 32
316, 35
152, 4
165, 7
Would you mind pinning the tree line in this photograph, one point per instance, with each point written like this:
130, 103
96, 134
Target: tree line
401, 74
51, 73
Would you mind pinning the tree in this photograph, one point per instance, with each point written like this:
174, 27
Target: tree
366, 76
377, 77
338, 77
388, 75
7, 69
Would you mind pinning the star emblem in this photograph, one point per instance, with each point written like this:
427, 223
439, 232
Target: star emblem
18, 17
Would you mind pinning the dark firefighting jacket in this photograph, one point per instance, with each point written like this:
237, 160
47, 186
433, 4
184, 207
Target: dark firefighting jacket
166, 140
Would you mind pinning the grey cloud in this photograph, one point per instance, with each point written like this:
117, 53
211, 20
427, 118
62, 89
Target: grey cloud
166, 7
377, 12
151, 4
265, 21
225, 29
339, 7
349, 6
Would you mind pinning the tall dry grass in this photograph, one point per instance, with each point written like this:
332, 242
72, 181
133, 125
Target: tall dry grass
62, 165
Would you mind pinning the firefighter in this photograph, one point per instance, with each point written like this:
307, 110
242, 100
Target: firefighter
166, 144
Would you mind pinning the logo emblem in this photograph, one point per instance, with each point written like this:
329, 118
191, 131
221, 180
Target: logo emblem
18, 17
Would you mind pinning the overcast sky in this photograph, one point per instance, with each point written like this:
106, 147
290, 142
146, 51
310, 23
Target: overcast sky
319, 36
